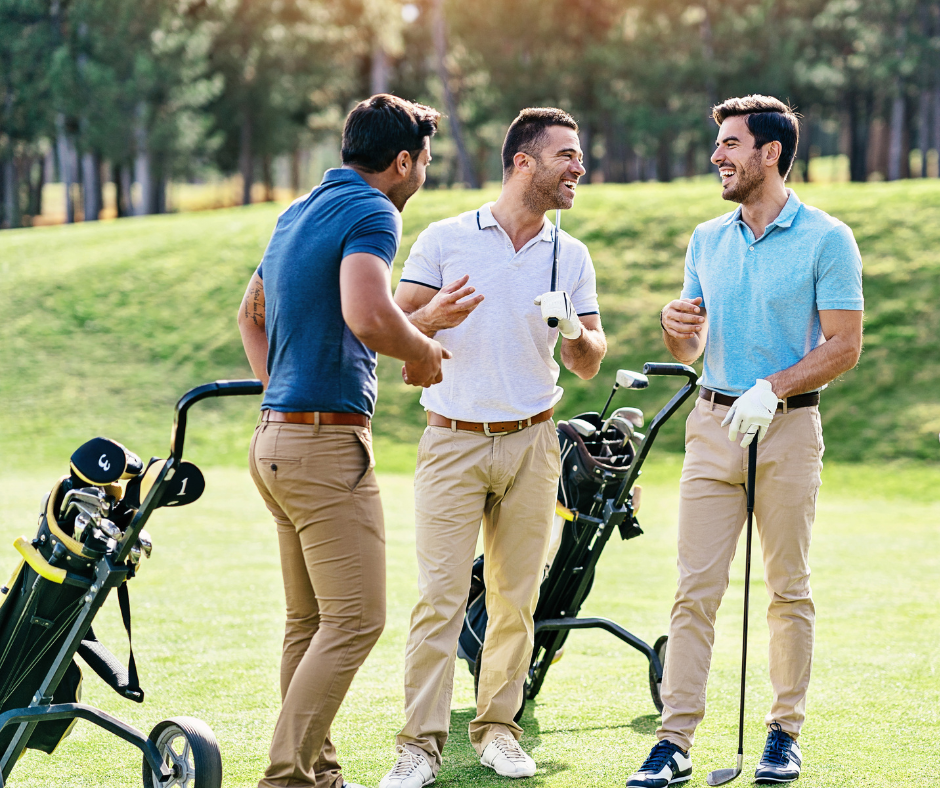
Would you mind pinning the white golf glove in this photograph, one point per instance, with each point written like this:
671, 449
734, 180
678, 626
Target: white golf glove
557, 304
752, 413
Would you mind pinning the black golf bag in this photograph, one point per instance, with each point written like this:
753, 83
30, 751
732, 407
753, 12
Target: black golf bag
601, 460
91, 540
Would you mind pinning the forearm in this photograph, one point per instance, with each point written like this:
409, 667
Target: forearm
685, 351
583, 355
391, 333
821, 366
421, 320
255, 342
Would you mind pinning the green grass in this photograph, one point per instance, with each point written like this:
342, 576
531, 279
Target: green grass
105, 325
208, 611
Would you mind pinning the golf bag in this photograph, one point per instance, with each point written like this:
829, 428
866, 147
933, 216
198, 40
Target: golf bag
601, 460
90, 540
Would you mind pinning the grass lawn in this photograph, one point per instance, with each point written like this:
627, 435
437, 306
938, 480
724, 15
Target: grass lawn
208, 611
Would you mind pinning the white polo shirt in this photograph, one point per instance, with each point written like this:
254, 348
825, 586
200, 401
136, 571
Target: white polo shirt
503, 366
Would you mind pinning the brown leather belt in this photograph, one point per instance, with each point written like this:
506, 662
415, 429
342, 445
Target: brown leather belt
798, 401
315, 417
488, 427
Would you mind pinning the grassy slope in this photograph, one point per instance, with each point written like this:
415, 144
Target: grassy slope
208, 620
105, 325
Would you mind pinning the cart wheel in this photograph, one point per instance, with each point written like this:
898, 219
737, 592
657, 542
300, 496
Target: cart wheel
189, 748
656, 685
476, 685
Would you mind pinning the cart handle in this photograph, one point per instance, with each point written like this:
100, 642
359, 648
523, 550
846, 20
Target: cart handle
219, 388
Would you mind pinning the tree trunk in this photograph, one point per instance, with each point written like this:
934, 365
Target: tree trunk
378, 73
295, 172
858, 105
664, 157
143, 165
35, 188
91, 186
467, 175
64, 149
245, 160
936, 122
806, 142
587, 148
267, 178
11, 194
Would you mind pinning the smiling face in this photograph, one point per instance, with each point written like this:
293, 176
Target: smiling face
556, 171
739, 162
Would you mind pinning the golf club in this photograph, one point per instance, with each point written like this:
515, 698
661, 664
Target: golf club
584, 428
627, 379
633, 415
722, 776
553, 321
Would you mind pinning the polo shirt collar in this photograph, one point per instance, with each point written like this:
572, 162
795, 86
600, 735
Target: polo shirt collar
784, 218
486, 219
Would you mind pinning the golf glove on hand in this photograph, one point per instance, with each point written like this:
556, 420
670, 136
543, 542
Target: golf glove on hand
752, 413
557, 304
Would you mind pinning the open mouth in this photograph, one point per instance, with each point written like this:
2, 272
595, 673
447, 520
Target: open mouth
569, 185
726, 173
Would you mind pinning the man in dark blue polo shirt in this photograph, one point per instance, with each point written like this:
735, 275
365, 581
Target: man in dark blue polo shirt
315, 314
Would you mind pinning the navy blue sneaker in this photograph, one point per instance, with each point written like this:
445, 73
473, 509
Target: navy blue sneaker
666, 765
781, 760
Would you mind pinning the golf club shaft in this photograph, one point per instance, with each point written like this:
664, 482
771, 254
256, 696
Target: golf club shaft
751, 480
553, 321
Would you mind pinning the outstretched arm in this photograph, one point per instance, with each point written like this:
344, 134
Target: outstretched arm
431, 310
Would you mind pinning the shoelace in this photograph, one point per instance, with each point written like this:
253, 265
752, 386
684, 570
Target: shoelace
777, 750
659, 756
509, 747
406, 764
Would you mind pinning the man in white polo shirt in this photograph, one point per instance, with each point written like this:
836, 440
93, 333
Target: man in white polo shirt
490, 451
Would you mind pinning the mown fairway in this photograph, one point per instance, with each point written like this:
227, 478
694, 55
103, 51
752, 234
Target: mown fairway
208, 613
105, 325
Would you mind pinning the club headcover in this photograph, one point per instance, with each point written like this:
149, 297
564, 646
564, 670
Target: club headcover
186, 486
98, 462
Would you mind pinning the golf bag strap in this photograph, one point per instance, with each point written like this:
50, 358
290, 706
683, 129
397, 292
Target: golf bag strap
124, 681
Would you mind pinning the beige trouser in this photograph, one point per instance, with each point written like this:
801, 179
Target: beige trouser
712, 513
511, 483
319, 485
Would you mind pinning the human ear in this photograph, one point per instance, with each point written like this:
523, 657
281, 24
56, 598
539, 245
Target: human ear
403, 163
772, 153
521, 160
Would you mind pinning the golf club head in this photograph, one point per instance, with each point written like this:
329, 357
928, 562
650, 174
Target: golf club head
633, 415
145, 542
622, 425
632, 380
583, 428
722, 776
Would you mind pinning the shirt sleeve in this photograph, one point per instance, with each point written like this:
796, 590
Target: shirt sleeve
378, 232
584, 296
423, 266
839, 271
691, 287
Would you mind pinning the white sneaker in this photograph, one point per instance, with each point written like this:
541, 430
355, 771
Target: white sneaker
410, 771
507, 758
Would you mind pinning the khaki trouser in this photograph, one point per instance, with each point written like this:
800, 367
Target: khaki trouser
319, 485
511, 483
712, 513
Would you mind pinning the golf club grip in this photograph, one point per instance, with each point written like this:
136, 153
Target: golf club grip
751, 483
553, 322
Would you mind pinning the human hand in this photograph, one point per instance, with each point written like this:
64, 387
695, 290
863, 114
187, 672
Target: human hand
443, 311
752, 412
683, 318
426, 370
557, 304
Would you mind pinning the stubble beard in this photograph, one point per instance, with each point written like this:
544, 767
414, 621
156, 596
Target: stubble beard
750, 181
405, 190
545, 192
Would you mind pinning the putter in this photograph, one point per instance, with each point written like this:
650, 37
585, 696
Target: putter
722, 776
553, 321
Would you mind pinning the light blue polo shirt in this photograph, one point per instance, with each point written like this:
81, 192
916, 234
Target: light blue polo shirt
763, 296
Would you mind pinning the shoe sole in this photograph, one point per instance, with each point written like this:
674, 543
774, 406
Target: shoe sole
775, 780
423, 784
671, 782
510, 776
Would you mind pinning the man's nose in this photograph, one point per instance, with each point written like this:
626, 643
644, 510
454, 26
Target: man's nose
579, 168
717, 157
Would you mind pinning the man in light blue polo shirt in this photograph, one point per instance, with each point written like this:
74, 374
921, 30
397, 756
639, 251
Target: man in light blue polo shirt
773, 297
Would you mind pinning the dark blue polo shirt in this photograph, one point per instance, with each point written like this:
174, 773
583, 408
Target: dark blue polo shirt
314, 360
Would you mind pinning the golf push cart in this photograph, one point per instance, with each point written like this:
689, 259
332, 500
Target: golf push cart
601, 460
91, 539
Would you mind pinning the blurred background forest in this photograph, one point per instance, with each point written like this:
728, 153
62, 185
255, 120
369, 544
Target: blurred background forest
131, 107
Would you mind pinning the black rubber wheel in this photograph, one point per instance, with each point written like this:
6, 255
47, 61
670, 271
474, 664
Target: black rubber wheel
656, 686
189, 748
476, 685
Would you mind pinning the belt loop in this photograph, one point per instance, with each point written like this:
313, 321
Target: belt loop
316, 423
784, 401
713, 401
453, 425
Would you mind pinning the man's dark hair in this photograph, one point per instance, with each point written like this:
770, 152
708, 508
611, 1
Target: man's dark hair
769, 120
381, 127
527, 132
